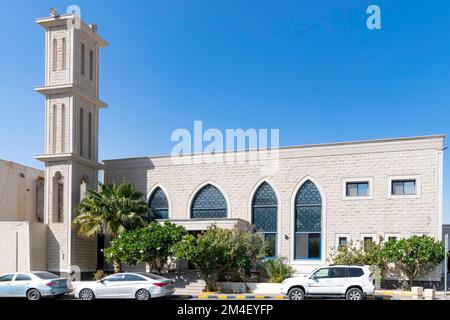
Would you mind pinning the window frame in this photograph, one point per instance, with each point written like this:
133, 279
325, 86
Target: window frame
291, 237
390, 235
418, 193
369, 235
342, 235
266, 234
370, 186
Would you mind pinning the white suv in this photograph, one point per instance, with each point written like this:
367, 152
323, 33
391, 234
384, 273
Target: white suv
351, 282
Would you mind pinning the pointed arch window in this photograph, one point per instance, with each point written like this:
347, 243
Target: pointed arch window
264, 216
158, 204
308, 222
210, 203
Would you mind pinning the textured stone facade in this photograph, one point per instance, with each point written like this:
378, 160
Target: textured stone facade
328, 166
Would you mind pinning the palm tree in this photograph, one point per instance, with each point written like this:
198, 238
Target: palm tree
112, 210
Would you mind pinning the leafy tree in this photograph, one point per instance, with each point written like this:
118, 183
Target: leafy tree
221, 251
277, 269
111, 210
364, 254
151, 244
415, 256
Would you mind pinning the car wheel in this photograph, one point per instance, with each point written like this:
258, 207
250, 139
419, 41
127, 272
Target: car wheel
142, 294
87, 294
296, 294
33, 294
354, 294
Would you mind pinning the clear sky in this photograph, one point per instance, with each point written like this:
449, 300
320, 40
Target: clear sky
310, 68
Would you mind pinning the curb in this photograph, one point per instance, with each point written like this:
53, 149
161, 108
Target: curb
206, 296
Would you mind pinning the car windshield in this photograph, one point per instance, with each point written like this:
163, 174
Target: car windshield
150, 275
45, 275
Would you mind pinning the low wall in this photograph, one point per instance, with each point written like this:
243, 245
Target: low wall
22, 246
256, 288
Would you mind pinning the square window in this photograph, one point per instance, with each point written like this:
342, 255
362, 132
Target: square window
342, 241
307, 246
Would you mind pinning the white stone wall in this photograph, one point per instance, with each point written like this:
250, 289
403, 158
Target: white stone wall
20, 192
327, 166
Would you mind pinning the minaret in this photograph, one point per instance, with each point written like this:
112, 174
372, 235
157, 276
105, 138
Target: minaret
72, 106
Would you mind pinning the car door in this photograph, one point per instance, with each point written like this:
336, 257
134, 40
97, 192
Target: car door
319, 282
5, 284
338, 279
20, 285
130, 284
109, 287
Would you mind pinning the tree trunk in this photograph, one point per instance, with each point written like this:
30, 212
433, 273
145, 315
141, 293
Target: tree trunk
117, 266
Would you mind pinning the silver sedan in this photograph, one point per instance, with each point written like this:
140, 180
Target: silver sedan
32, 285
136, 285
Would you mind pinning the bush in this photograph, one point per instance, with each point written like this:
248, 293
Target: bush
364, 254
151, 244
278, 270
99, 274
218, 252
415, 256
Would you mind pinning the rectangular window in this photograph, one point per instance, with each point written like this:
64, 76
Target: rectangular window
82, 59
392, 238
342, 241
367, 241
357, 189
63, 54
90, 136
307, 245
81, 132
338, 273
55, 55
91, 65
403, 187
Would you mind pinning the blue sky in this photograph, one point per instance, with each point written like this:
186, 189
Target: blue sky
310, 68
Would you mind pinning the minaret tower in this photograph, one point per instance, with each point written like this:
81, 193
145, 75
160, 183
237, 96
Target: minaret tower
72, 104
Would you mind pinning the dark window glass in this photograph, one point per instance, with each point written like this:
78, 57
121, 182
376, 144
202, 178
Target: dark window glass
133, 277
355, 272
337, 273
342, 241
368, 240
6, 277
271, 243
158, 204
46, 275
22, 277
392, 238
82, 59
114, 278
357, 189
403, 187
209, 203
308, 222
151, 275
91, 65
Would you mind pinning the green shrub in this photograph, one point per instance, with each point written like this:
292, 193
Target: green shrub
278, 270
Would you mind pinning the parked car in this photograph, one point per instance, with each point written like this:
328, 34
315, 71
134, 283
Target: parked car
136, 285
351, 282
32, 285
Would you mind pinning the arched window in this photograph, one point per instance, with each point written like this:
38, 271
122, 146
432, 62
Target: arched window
158, 204
308, 222
264, 216
55, 54
63, 54
209, 202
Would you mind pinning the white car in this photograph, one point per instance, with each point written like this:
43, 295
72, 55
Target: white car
136, 285
32, 285
351, 282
